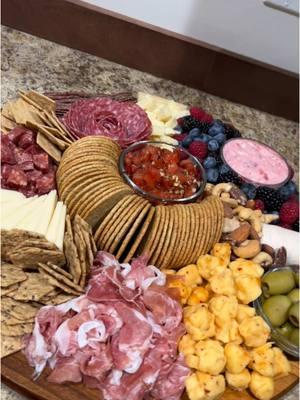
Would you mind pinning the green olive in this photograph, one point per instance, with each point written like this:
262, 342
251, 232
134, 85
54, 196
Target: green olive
276, 309
294, 336
296, 276
294, 295
294, 314
286, 329
278, 282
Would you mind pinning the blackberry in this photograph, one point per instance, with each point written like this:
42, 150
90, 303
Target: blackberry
296, 226
231, 132
205, 127
230, 176
188, 123
271, 198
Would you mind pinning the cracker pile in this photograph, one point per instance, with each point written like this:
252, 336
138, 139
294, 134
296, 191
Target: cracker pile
171, 236
35, 273
37, 112
80, 249
88, 178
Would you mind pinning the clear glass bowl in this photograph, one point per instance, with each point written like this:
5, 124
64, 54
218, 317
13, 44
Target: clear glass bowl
276, 336
156, 199
244, 178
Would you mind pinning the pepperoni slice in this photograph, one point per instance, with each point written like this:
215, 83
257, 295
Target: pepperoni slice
124, 122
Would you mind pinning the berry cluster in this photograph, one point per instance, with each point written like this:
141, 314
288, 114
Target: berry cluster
203, 137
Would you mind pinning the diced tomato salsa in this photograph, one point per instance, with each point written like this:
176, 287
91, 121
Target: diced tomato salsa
163, 173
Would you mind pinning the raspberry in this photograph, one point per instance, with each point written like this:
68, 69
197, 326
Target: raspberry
198, 149
180, 137
259, 205
289, 212
293, 199
201, 115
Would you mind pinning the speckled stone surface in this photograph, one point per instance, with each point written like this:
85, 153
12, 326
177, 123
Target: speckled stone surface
32, 63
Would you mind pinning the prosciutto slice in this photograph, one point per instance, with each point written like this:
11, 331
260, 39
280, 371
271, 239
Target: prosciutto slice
120, 337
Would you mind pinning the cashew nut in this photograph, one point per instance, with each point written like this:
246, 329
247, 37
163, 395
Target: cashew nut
253, 216
268, 218
263, 258
247, 249
220, 188
209, 187
230, 224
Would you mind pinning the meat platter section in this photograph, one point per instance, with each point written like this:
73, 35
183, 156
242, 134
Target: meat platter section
106, 292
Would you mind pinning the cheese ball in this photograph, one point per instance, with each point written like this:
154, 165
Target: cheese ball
223, 307
262, 360
237, 358
198, 295
248, 288
186, 345
213, 386
184, 290
223, 283
243, 312
254, 331
261, 387
192, 361
227, 331
193, 388
199, 322
191, 275
209, 265
282, 366
238, 381
223, 252
211, 356
246, 267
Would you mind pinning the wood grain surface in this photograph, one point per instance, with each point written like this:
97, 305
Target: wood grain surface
16, 373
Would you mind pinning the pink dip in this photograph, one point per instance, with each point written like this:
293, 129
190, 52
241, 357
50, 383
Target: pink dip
255, 162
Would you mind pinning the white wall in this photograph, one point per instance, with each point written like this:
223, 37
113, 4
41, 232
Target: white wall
245, 27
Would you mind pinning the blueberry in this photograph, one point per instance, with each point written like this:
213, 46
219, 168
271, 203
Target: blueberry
209, 162
187, 141
224, 169
218, 122
292, 187
213, 145
249, 190
204, 137
214, 130
195, 132
284, 192
220, 138
212, 175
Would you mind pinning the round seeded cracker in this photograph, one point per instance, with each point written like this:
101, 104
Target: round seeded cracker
161, 234
167, 238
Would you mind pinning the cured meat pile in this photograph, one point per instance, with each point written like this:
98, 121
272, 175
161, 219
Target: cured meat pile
124, 122
25, 166
121, 337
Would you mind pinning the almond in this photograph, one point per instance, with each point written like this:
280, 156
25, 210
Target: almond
227, 211
240, 234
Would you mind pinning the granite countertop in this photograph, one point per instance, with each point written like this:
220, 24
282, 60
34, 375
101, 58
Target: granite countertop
32, 63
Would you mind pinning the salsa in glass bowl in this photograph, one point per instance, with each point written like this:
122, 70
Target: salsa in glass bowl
162, 173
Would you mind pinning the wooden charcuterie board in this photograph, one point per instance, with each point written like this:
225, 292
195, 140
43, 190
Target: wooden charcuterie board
16, 373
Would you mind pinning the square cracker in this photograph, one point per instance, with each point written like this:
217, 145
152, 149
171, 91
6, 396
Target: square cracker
10, 274
10, 344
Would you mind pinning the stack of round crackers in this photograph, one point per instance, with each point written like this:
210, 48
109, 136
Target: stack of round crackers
88, 178
125, 224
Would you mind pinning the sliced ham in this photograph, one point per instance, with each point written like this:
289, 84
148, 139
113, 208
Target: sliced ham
121, 337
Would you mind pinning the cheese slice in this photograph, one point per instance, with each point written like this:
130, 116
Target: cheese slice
10, 195
29, 222
48, 210
56, 230
54, 223
12, 219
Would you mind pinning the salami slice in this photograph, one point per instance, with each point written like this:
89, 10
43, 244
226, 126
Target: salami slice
16, 134
17, 178
45, 183
26, 140
124, 122
7, 154
41, 161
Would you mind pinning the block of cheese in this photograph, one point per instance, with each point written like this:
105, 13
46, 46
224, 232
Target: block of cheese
10, 195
